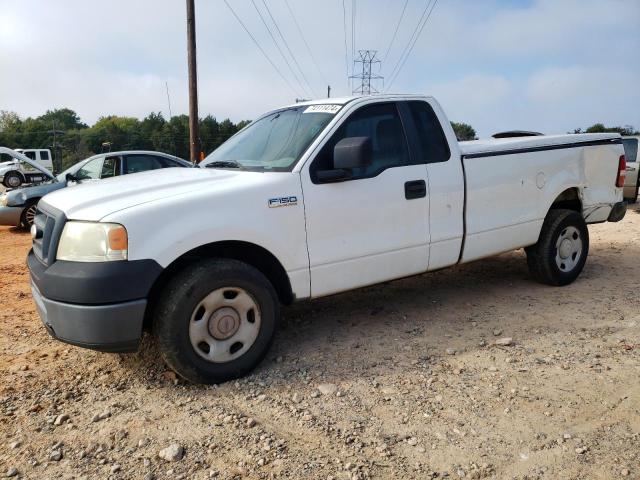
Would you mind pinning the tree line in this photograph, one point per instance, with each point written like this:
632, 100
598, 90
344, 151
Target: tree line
71, 140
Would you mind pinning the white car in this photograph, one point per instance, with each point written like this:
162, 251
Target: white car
15, 172
632, 182
308, 200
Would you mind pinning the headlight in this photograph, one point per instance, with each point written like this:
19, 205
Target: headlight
4, 200
93, 242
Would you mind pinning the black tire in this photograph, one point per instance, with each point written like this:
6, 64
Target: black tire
541, 257
176, 308
12, 180
29, 212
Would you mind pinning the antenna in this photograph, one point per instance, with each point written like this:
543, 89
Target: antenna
367, 58
166, 84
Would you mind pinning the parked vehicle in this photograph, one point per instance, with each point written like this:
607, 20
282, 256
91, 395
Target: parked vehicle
18, 206
516, 133
632, 182
16, 172
307, 201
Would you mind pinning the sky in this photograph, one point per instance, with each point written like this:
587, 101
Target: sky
542, 65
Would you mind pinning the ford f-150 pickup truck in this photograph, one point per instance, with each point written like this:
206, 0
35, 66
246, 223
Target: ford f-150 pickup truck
308, 200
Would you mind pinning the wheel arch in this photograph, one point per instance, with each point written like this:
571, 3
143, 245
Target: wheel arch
249, 253
569, 198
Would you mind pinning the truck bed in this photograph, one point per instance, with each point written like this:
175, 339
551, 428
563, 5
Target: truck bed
511, 183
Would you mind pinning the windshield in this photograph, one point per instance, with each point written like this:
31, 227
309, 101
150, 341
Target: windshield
62, 176
275, 142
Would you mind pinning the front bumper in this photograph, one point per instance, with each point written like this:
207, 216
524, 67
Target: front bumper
93, 305
617, 212
10, 215
108, 328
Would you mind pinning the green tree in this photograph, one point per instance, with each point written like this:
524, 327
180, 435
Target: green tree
627, 130
464, 131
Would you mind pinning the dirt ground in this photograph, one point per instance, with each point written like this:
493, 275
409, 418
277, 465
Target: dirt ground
412, 384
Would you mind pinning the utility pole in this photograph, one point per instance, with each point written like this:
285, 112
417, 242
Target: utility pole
367, 58
194, 137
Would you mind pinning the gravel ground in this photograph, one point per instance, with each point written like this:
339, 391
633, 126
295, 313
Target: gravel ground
412, 379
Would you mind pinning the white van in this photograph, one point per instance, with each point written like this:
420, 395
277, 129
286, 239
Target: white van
14, 173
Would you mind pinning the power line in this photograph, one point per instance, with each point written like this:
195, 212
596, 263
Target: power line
260, 48
353, 31
406, 47
346, 49
412, 41
393, 38
286, 44
286, 61
304, 40
413, 44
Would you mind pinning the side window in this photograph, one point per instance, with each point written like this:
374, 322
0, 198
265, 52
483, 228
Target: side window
110, 167
630, 149
44, 155
431, 140
380, 122
166, 162
90, 170
140, 163
30, 155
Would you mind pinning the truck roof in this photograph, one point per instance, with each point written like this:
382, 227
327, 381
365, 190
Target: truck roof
345, 100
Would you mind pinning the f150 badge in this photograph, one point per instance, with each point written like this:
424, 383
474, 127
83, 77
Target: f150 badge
283, 202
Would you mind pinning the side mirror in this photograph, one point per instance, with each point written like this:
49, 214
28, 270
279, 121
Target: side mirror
348, 153
352, 152
70, 177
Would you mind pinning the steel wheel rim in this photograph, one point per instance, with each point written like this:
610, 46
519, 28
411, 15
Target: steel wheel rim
13, 181
224, 325
568, 249
30, 214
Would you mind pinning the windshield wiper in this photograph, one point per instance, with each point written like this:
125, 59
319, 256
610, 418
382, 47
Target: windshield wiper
224, 164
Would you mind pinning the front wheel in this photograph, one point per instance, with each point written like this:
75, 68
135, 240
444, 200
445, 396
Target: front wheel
215, 320
561, 252
29, 214
12, 180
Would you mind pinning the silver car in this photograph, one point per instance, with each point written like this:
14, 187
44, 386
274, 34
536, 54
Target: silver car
632, 181
18, 206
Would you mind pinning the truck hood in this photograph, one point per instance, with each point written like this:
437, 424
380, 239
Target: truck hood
18, 156
94, 200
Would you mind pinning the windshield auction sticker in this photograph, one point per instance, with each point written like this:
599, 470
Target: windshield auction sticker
323, 108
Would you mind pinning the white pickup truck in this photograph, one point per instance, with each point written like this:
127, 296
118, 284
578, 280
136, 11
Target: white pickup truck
309, 200
15, 172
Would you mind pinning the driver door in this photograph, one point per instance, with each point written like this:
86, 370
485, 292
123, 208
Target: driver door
374, 226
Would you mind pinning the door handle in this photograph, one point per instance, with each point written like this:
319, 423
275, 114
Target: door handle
415, 189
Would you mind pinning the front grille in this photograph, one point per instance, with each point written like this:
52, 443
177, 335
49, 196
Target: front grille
49, 223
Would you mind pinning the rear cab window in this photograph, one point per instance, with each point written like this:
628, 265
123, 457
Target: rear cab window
431, 140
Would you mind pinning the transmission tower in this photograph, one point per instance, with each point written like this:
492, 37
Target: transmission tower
368, 60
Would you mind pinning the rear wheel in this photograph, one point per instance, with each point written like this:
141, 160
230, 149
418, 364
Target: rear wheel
12, 180
215, 320
29, 213
562, 249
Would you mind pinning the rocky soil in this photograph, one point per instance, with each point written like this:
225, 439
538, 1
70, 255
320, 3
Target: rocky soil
472, 372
